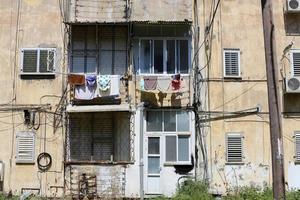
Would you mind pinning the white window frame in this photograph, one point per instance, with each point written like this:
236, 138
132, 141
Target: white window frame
19, 135
233, 134
38, 61
232, 50
292, 51
297, 158
164, 55
162, 134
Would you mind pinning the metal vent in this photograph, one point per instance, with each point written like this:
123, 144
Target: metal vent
25, 147
234, 148
294, 4
293, 84
296, 63
297, 145
232, 63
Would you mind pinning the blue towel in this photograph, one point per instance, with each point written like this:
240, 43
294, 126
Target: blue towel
91, 80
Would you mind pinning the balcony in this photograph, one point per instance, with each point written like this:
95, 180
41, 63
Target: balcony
98, 64
120, 11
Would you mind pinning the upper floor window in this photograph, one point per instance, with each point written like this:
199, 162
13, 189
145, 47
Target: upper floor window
164, 56
231, 59
99, 50
161, 49
38, 60
295, 62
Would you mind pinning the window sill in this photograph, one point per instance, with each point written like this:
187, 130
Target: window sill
30, 76
25, 163
234, 163
176, 163
98, 162
166, 75
233, 77
297, 162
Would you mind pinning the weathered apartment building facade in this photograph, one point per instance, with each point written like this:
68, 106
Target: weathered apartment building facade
128, 98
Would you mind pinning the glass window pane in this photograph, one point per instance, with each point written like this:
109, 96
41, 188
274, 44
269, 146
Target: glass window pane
171, 57
171, 148
183, 123
158, 56
145, 56
154, 121
183, 55
106, 62
78, 64
183, 148
43, 60
91, 64
153, 145
153, 165
169, 121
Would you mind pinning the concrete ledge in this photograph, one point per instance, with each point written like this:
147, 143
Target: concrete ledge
98, 108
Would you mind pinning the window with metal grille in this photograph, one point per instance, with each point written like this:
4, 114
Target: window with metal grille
25, 147
99, 136
38, 60
295, 61
99, 49
232, 63
297, 146
234, 148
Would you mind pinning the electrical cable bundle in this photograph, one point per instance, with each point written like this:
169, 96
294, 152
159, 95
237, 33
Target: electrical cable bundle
47, 161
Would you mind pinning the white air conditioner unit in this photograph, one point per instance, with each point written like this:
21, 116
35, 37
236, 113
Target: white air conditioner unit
293, 5
292, 85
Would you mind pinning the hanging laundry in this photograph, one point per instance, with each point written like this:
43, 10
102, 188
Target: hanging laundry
176, 80
103, 82
150, 82
142, 84
91, 80
115, 85
163, 84
85, 92
76, 79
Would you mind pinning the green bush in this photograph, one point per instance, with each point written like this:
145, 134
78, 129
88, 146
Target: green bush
193, 190
250, 193
293, 195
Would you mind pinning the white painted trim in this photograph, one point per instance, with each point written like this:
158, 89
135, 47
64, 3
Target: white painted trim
38, 61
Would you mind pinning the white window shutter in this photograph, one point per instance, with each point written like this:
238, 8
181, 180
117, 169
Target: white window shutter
231, 63
25, 147
297, 146
296, 63
38, 60
234, 148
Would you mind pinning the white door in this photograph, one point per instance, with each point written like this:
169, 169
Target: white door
153, 165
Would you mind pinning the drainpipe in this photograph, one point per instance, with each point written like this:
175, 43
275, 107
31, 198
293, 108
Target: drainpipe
141, 160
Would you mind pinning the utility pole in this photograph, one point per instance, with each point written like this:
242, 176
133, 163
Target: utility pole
274, 102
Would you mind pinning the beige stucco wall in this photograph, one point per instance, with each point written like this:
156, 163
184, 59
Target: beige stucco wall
103, 11
39, 25
238, 24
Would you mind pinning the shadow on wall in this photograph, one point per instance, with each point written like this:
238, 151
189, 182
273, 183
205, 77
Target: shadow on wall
160, 99
291, 23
